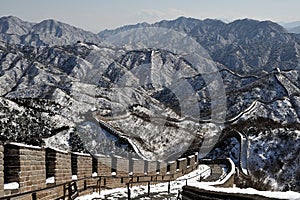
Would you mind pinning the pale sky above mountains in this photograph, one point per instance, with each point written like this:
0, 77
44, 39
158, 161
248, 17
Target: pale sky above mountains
96, 15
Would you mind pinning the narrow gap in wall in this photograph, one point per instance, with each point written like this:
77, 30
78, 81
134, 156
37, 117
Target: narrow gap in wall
11, 164
74, 164
50, 163
113, 164
145, 166
188, 161
95, 165
130, 165
157, 166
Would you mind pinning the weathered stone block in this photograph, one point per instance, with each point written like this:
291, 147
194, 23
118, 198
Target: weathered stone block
122, 166
138, 167
152, 167
104, 165
182, 166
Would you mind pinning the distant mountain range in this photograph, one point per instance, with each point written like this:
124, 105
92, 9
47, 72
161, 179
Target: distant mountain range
214, 35
294, 30
49, 83
292, 27
47, 32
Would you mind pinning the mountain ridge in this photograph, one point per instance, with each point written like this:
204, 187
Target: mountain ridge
10, 22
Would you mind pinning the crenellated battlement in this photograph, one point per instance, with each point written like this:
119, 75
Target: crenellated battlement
25, 168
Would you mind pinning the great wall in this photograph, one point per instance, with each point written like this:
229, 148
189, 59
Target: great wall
30, 173
46, 173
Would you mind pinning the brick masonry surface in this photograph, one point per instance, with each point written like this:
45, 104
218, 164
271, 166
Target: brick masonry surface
104, 166
59, 165
26, 166
122, 167
84, 163
163, 168
31, 166
138, 167
152, 167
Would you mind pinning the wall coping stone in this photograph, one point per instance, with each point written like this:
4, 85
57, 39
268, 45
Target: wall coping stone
81, 154
58, 150
24, 145
101, 155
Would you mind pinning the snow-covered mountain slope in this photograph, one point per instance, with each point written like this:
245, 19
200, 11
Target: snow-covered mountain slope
14, 26
272, 157
47, 32
62, 74
244, 46
51, 32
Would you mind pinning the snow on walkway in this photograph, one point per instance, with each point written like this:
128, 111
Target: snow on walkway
161, 188
177, 185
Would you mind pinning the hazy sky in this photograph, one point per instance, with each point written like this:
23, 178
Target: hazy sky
96, 15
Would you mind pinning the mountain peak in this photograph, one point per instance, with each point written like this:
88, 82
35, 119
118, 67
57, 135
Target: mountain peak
14, 25
250, 28
53, 32
50, 21
183, 18
10, 18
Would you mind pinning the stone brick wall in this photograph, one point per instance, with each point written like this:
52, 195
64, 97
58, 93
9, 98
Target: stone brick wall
50, 194
191, 163
84, 165
152, 167
172, 166
138, 167
104, 165
58, 165
163, 168
112, 182
32, 174
31, 166
25, 165
122, 167
182, 165
1, 170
